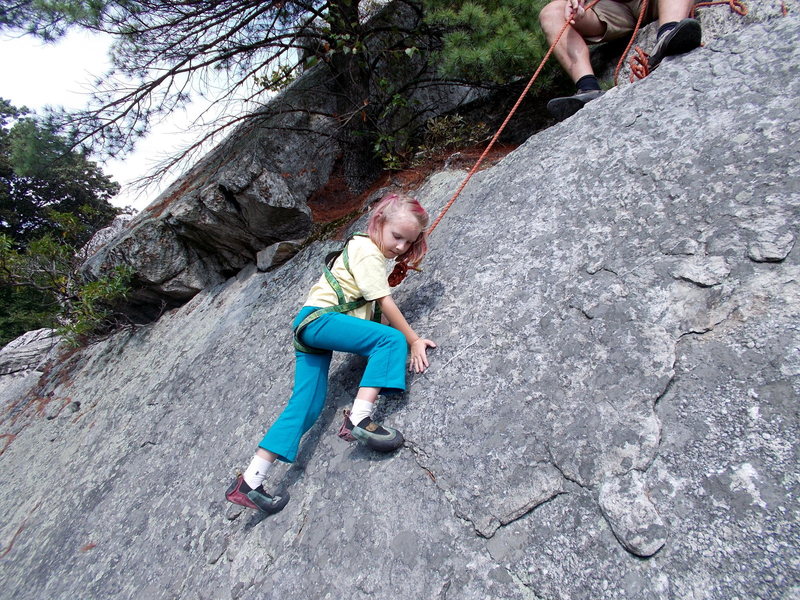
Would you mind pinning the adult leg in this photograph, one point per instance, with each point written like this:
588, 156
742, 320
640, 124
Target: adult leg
572, 52
677, 34
673, 10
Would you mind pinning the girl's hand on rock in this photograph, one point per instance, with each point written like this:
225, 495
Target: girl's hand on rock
419, 355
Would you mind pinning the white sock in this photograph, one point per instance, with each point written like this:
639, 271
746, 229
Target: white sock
256, 473
361, 410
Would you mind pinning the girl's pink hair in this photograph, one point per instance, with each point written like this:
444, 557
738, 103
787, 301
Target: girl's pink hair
389, 207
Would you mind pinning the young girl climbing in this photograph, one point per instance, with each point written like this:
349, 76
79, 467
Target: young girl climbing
337, 316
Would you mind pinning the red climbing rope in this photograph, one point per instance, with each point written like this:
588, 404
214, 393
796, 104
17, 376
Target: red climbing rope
402, 267
639, 65
736, 6
639, 52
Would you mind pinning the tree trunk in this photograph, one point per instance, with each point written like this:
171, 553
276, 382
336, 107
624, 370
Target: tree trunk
359, 165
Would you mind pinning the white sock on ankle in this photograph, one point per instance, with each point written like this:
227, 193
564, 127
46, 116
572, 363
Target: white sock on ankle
361, 410
256, 473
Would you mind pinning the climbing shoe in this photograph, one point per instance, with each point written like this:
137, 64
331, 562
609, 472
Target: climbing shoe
346, 430
563, 108
376, 437
683, 38
241, 493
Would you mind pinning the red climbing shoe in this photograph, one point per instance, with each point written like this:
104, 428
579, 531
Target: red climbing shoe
377, 437
242, 494
346, 430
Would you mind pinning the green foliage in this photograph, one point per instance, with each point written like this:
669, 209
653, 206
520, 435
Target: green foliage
92, 308
40, 177
24, 309
52, 200
278, 78
393, 128
41, 287
449, 132
489, 40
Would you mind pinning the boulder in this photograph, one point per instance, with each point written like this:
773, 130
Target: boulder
247, 194
252, 190
28, 351
102, 236
277, 254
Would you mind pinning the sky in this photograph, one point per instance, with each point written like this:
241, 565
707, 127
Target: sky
34, 74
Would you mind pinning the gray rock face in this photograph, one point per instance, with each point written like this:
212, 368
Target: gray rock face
104, 235
22, 364
617, 377
631, 514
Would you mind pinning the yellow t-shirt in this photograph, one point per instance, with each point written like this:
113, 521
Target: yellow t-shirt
366, 278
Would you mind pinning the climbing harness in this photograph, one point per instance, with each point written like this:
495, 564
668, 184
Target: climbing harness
342, 307
402, 267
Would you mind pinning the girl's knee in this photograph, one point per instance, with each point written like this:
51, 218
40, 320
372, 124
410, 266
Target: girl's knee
396, 338
391, 341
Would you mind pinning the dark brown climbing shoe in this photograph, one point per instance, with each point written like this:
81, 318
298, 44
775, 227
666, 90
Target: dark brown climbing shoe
242, 494
377, 437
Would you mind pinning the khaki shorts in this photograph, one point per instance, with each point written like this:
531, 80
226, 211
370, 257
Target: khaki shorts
620, 17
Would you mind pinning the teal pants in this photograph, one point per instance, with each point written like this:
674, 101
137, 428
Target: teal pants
386, 351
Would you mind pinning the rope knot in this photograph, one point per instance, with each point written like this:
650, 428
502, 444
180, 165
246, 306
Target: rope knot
639, 64
398, 274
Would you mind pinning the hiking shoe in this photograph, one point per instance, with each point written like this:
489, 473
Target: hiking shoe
242, 494
563, 108
377, 437
685, 37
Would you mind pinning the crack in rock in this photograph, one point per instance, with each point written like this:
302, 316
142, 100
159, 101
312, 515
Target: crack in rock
487, 527
419, 456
